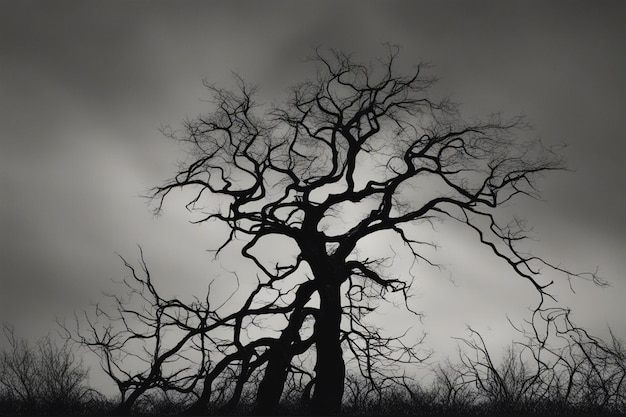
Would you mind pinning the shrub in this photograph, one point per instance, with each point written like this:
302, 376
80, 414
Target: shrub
43, 377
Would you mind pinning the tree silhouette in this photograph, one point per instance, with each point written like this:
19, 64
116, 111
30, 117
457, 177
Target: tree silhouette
137, 336
343, 158
42, 377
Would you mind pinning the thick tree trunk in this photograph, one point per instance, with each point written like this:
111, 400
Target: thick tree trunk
330, 367
276, 372
271, 387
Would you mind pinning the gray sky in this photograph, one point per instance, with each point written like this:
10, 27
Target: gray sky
84, 87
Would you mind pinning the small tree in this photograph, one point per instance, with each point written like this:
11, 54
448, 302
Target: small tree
42, 376
558, 366
146, 341
340, 160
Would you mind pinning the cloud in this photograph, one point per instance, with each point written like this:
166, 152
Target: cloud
85, 87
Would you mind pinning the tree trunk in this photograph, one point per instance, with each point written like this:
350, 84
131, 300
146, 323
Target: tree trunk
241, 380
125, 406
201, 405
271, 387
330, 367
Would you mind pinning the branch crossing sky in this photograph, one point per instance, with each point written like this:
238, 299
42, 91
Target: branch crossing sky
85, 86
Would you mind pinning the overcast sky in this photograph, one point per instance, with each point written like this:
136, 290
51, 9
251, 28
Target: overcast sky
85, 86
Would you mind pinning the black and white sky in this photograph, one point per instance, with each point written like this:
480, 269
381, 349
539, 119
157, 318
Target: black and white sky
85, 86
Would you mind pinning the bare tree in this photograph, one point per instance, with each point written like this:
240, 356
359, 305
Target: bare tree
42, 376
515, 381
336, 162
153, 345
147, 341
557, 366
586, 370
